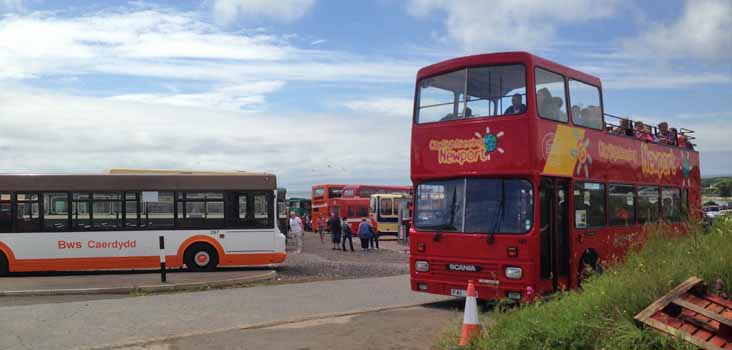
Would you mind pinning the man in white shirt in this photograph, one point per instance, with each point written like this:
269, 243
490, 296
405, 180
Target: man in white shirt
296, 228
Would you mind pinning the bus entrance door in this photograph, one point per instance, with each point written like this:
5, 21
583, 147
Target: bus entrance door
554, 235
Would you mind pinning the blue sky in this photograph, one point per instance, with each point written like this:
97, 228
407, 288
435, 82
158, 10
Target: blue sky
320, 91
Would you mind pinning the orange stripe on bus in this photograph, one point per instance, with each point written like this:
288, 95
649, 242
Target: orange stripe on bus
135, 262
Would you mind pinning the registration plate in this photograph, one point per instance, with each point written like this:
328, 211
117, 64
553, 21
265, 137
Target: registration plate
457, 292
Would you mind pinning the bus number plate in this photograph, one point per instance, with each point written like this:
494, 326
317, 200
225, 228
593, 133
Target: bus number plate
461, 293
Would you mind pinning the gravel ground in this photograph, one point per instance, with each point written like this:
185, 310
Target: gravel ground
319, 262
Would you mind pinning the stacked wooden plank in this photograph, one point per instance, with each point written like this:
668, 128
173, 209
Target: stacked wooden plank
690, 313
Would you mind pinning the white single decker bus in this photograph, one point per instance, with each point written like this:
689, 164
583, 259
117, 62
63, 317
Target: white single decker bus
113, 221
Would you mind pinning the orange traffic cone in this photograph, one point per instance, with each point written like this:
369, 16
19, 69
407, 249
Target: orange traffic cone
471, 324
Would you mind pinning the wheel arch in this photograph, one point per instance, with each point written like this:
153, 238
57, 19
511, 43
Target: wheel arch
9, 256
199, 239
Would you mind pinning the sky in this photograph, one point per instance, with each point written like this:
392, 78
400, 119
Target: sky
320, 91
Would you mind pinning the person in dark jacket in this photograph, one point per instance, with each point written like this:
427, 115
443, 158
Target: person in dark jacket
374, 242
347, 235
334, 223
365, 232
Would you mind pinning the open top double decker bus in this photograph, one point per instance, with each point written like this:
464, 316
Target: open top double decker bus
113, 221
521, 180
321, 196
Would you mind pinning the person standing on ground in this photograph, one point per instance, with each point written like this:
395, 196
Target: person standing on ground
321, 229
365, 232
374, 235
347, 234
334, 223
296, 228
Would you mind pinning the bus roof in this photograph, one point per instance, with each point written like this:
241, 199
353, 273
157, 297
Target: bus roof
141, 182
504, 58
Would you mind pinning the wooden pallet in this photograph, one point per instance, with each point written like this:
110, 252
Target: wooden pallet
689, 313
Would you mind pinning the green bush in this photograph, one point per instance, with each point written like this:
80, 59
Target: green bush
600, 316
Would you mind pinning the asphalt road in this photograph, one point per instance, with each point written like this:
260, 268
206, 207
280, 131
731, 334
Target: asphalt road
126, 321
407, 329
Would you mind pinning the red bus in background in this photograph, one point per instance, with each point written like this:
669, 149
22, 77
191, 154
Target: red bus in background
321, 196
522, 181
353, 209
365, 191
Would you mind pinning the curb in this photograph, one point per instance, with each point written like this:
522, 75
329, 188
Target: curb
123, 345
266, 276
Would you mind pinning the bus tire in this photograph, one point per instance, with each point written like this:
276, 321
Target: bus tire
589, 265
4, 266
201, 257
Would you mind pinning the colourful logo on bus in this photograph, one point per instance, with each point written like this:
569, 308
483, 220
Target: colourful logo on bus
472, 150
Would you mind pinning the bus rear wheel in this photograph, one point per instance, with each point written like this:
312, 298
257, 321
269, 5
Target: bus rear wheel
4, 267
201, 257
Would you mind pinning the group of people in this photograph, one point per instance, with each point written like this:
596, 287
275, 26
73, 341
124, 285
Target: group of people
340, 232
641, 131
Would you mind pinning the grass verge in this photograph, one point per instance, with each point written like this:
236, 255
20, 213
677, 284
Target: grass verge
600, 316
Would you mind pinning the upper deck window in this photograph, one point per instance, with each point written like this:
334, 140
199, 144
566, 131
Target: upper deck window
335, 192
586, 109
550, 95
318, 192
491, 91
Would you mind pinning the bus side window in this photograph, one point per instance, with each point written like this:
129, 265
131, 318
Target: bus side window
56, 211
648, 204
132, 209
586, 109
621, 203
159, 213
670, 204
550, 95
589, 205
685, 204
106, 211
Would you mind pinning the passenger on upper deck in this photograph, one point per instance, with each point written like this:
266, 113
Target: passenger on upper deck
623, 128
664, 135
516, 106
643, 133
549, 107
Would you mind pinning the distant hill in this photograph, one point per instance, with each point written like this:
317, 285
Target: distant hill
720, 186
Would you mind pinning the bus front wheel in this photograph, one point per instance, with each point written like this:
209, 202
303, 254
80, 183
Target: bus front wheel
201, 257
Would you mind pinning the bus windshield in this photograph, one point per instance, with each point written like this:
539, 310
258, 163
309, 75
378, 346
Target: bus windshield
475, 206
491, 91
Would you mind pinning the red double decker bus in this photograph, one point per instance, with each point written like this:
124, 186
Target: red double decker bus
321, 196
521, 180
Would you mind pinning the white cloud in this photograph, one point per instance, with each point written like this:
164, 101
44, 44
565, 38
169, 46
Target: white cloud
702, 31
386, 106
226, 11
509, 24
93, 134
170, 44
244, 96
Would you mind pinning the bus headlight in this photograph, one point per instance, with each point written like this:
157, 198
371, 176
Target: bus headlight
514, 273
421, 266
